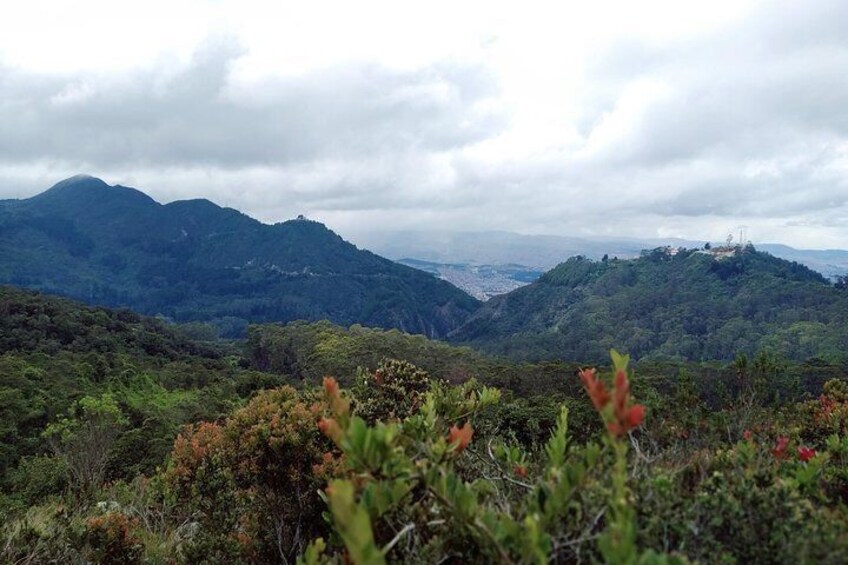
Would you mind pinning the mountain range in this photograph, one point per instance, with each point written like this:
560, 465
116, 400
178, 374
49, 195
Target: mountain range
194, 260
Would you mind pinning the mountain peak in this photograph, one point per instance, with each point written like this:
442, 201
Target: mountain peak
87, 192
80, 181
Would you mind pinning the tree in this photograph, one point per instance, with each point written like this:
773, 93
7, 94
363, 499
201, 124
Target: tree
84, 438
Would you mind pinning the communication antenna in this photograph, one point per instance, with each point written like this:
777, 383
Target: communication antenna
743, 235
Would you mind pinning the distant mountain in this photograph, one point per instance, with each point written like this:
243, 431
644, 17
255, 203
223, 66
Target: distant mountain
193, 260
546, 251
487, 264
684, 305
502, 248
831, 263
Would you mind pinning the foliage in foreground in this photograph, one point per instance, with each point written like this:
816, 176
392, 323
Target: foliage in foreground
402, 467
738, 462
410, 471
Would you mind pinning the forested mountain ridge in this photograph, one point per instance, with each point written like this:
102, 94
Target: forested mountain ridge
193, 260
689, 305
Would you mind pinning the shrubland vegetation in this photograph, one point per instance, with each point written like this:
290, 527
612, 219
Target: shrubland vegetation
123, 440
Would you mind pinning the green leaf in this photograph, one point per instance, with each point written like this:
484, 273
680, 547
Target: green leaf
557, 444
313, 554
353, 524
619, 361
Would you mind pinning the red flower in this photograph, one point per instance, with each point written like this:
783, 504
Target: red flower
460, 437
595, 388
779, 450
806, 453
635, 416
330, 428
521, 470
338, 405
616, 429
624, 416
331, 387
748, 435
621, 392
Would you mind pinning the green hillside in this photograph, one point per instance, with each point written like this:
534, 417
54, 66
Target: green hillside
122, 440
689, 306
193, 260
55, 352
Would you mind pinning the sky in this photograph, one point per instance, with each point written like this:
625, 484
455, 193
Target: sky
644, 119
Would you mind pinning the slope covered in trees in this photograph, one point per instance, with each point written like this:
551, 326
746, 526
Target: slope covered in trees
686, 306
124, 441
60, 360
193, 260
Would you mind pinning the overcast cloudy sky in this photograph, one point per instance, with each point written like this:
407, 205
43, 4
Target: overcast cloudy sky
651, 118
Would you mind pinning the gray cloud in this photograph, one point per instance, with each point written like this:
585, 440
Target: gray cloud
198, 117
745, 125
749, 122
